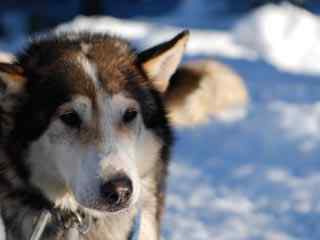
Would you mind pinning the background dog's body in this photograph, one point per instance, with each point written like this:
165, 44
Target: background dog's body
203, 90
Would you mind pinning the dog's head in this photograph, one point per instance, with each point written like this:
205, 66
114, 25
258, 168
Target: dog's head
89, 120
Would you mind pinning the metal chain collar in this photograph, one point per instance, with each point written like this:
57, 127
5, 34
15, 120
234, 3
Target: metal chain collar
65, 219
73, 220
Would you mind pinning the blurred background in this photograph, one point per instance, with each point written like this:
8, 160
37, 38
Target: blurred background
251, 170
40, 15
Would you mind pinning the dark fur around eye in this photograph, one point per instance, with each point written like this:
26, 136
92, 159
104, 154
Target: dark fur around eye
129, 115
71, 119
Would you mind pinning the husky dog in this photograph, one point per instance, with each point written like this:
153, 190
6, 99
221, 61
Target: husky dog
84, 131
203, 90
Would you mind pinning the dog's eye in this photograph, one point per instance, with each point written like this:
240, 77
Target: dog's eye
129, 115
71, 119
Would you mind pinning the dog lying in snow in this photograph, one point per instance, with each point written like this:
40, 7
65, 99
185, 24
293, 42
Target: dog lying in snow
85, 135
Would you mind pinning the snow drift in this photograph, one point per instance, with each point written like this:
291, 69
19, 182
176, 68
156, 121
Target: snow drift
286, 36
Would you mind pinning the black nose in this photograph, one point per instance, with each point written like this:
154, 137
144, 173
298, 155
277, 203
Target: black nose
117, 191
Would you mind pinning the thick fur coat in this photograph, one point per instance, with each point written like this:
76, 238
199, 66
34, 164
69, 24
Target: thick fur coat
84, 128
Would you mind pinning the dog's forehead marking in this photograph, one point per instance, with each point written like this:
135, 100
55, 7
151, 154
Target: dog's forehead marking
105, 73
85, 47
90, 69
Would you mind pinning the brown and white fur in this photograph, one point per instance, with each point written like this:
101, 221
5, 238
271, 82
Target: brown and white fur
84, 128
203, 90
80, 110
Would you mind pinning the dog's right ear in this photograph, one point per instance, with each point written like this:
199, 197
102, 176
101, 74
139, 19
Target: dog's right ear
161, 61
12, 80
12, 85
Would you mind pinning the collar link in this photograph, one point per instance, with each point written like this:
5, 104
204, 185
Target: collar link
64, 219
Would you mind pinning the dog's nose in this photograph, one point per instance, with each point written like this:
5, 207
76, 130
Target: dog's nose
117, 191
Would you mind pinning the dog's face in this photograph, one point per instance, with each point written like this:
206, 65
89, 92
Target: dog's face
90, 122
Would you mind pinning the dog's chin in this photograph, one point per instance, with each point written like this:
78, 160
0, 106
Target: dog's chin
99, 209
101, 213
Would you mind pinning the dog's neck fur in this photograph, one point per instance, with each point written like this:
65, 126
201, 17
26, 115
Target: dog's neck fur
19, 220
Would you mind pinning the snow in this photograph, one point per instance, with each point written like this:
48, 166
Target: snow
306, 116
257, 177
286, 36
146, 34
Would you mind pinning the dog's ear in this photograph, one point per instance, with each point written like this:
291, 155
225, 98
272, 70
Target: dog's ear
12, 85
161, 61
12, 80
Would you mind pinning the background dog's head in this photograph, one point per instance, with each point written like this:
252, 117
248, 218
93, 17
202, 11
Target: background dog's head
88, 119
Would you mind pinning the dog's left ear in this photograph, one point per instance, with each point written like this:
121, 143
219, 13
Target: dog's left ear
12, 88
161, 61
12, 80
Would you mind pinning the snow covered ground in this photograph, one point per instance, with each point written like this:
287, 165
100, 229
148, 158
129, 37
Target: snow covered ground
257, 178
